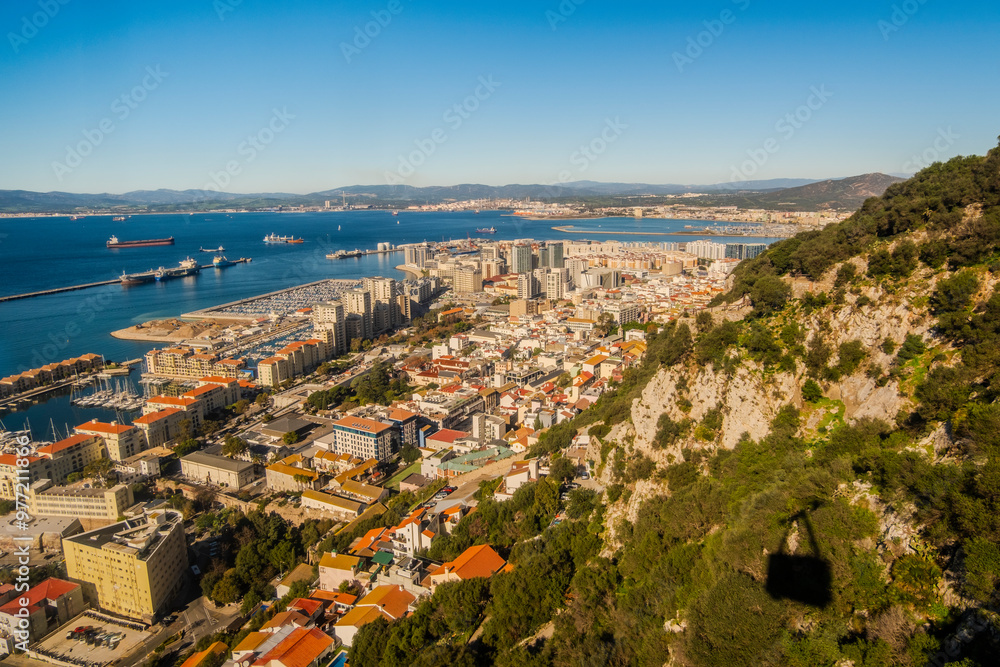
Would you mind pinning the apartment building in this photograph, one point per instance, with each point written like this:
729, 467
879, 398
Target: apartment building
364, 438
120, 440
72, 454
94, 504
132, 568
185, 363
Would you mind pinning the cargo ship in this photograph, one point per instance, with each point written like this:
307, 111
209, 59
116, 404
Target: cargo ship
220, 262
219, 249
188, 267
489, 230
274, 238
113, 242
344, 254
129, 279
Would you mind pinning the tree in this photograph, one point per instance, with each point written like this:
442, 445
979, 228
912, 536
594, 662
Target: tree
101, 470
290, 438
811, 391
187, 446
261, 400
562, 469
234, 446
240, 406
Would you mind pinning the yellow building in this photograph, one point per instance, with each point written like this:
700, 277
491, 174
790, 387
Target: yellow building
132, 568
105, 505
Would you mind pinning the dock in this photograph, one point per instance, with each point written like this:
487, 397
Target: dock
73, 288
58, 290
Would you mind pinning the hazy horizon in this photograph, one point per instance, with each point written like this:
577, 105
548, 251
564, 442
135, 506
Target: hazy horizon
250, 97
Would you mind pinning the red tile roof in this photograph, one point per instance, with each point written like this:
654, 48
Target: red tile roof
300, 649
101, 427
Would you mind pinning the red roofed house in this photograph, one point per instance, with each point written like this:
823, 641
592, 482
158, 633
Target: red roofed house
388, 602
304, 647
202, 657
414, 533
50, 604
444, 438
481, 561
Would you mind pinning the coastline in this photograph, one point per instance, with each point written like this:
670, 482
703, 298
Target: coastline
569, 229
409, 271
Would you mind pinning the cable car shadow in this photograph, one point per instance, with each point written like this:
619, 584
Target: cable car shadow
799, 577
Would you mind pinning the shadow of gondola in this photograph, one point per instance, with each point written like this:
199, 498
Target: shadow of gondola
799, 577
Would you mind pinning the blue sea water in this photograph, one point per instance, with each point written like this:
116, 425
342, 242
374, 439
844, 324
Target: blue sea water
45, 253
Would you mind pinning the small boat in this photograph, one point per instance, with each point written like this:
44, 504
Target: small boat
395, 212
119, 218
338, 228
219, 249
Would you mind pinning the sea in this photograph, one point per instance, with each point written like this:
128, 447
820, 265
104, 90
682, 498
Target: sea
45, 253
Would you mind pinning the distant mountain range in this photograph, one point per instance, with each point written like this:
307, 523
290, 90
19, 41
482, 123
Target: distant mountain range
809, 194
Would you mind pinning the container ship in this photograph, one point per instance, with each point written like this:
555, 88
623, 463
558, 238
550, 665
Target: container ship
274, 238
113, 242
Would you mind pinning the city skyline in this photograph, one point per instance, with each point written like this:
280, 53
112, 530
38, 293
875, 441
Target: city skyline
256, 97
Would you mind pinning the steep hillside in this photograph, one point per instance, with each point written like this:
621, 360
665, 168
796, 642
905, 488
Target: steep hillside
810, 480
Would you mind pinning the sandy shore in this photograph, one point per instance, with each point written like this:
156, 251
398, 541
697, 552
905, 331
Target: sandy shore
409, 271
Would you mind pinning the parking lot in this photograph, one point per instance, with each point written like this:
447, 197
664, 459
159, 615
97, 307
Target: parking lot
58, 645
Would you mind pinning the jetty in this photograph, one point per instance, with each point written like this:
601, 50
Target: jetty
101, 283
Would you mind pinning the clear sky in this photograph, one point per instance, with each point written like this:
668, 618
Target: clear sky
327, 107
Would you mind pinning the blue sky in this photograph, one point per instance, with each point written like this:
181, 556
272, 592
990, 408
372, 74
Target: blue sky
564, 76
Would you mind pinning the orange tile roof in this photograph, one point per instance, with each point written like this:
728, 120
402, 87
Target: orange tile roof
172, 400
481, 561
197, 658
65, 444
393, 600
215, 379
146, 420
199, 391
102, 427
300, 649
11, 459
361, 424
360, 616
284, 618
448, 435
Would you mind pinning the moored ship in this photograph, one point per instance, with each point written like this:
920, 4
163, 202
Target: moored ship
220, 262
129, 279
274, 238
114, 242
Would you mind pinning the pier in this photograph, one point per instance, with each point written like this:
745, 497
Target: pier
73, 288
